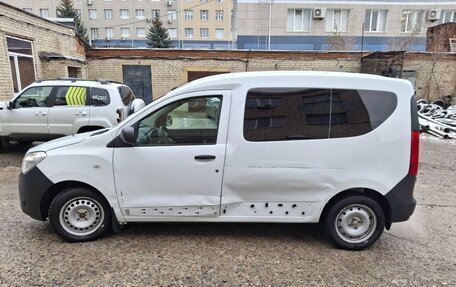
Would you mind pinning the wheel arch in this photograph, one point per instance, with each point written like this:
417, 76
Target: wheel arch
375, 195
51, 193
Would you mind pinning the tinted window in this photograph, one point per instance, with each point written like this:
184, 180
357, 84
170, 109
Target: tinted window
33, 97
99, 97
294, 114
127, 95
286, 114
357, 112
70, 96
188, 121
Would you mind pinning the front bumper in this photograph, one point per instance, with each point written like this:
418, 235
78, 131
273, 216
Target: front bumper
32, 188
401, 199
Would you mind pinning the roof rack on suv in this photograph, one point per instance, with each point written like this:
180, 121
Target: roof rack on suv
101, 81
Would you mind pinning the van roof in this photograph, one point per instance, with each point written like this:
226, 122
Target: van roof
230, 80
75, 81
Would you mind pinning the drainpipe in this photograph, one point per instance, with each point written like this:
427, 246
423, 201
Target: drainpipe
131, 26
269, 24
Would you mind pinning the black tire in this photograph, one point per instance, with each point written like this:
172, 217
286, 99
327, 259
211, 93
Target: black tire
4, 144
79, 214
354, 222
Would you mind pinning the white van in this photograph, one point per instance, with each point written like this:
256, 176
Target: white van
297, 147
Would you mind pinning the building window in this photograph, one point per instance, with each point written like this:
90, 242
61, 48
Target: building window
44, 13
204, 32
124, 14
155, 13
92, 14
188, 32
21, 60
299, 20
337, 20
94, 33
219, 15
28, 10
172, 15
172, 32
140, 32
204, 15
74, 72
375, 20
448, 16
140, 14
188, 15
219, 33
108, 14
125, 32
411, 21
109, 33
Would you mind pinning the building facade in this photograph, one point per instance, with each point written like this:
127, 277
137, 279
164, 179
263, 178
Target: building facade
369, 25
34, 48
191, 24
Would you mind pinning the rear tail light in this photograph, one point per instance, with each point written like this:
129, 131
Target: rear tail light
414, 153
120, 115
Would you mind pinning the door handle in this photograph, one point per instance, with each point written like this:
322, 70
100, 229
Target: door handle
204, 157
81, 113
40, 114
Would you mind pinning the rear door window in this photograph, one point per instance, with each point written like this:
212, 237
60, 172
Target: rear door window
126, 94
287, 114
70, 96
298, 114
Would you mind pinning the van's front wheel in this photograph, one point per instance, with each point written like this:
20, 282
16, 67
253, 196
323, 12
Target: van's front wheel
355, 222
79, 214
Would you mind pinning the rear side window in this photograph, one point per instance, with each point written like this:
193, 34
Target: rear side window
286, 114
126, 94
99, 97
357, 112
298, 114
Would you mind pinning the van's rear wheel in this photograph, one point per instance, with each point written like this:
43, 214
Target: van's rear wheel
355, 222
79, 214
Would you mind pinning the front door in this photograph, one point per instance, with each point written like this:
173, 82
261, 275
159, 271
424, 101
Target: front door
176, 165
29, 114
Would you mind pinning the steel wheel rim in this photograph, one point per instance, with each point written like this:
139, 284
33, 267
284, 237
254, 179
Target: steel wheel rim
356, 223
81, 216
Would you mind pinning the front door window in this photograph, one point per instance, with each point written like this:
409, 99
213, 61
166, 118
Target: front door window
185, 122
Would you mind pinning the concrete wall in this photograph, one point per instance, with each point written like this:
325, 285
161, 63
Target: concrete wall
45, 36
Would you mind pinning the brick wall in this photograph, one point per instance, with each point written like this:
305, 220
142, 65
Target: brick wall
435, 72
45, 36
170, 67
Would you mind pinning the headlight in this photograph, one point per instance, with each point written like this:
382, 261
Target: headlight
31, 160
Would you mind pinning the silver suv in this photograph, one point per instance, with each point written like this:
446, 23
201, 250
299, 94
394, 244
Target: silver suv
49, 109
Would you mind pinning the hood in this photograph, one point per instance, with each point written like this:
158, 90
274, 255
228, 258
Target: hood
62, 142
2, 105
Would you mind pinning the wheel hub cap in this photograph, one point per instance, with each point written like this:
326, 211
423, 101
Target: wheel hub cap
81, 216
356, 223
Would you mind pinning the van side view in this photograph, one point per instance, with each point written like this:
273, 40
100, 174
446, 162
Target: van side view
339, 149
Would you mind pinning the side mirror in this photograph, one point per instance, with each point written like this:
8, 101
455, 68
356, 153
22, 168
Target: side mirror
127, 136
169, 121
9, 105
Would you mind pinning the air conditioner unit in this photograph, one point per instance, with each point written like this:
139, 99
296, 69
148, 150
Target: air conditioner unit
319, 13
123, 38
149, 20
107, 38
169, 2
170, 21
89, 2
434, 14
